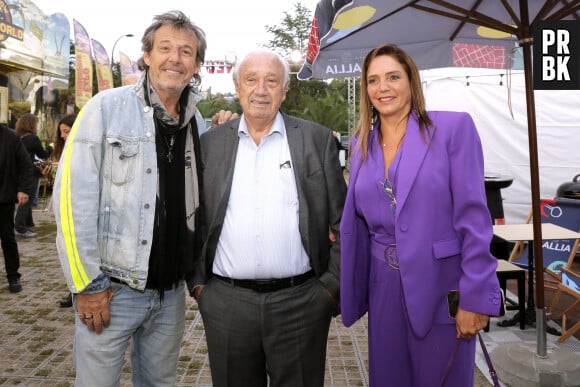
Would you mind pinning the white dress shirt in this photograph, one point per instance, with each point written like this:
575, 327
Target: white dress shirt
260, 238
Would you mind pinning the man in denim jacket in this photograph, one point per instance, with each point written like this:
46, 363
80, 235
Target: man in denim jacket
126, 198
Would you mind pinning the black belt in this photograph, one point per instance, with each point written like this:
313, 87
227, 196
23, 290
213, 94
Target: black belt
269, 285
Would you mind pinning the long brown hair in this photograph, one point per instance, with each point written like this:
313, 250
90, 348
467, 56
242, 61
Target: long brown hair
27, 124
368, 115
69, 121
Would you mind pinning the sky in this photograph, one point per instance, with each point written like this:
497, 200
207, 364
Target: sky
232, 27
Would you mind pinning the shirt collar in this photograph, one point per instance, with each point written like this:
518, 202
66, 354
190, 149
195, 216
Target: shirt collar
277, 127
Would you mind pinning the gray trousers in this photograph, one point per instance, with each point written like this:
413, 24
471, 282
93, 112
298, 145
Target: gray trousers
278, 336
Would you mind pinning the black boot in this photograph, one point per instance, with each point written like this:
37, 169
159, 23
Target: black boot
66, 302
14, 286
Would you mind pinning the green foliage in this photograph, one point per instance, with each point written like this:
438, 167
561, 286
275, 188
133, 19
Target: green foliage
318, 101
18, 108
314, 100
330, 110
95, 81
116, 71
72, 66
208, 107
292, 33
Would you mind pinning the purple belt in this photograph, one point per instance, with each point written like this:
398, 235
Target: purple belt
386, 251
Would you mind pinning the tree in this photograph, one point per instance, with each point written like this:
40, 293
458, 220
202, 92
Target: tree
116, 71
292, 33
314, 100
72, 65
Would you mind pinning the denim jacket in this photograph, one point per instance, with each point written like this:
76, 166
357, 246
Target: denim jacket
105, 192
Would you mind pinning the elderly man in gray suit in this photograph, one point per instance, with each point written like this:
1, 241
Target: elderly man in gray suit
267, 281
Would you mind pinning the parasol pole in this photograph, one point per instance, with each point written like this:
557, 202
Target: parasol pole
525, 41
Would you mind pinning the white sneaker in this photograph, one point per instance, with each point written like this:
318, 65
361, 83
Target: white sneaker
26, 234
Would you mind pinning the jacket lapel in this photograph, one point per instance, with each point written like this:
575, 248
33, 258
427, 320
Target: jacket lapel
230, 143
414, 150
296, 143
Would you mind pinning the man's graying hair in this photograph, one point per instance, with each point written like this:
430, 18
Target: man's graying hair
179, 21
257, 52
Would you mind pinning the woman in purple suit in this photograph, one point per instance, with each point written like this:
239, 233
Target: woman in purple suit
415, 227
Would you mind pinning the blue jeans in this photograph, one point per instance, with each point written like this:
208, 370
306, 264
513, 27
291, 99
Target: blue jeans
155, 328
34, 200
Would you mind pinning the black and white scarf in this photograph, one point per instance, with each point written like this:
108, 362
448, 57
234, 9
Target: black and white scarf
173, 245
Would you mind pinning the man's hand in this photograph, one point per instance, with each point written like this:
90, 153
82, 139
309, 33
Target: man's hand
197, 292
93, 309
22, 198
222, 116
331, 235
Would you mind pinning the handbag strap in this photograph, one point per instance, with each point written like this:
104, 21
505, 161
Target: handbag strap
492, 372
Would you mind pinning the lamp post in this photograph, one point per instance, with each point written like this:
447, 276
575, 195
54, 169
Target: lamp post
113, 52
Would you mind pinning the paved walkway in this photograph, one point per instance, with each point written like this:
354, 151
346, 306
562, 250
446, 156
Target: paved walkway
36, 335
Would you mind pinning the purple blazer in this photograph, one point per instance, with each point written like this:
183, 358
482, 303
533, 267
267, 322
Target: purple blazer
443, 226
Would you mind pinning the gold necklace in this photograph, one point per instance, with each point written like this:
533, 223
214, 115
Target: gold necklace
400, 141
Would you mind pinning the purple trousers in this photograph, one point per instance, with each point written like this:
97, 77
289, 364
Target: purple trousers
397, 357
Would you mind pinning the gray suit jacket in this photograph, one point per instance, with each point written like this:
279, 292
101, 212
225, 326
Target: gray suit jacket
319, 181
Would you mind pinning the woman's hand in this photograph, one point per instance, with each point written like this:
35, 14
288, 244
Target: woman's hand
45, 169
469, 323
